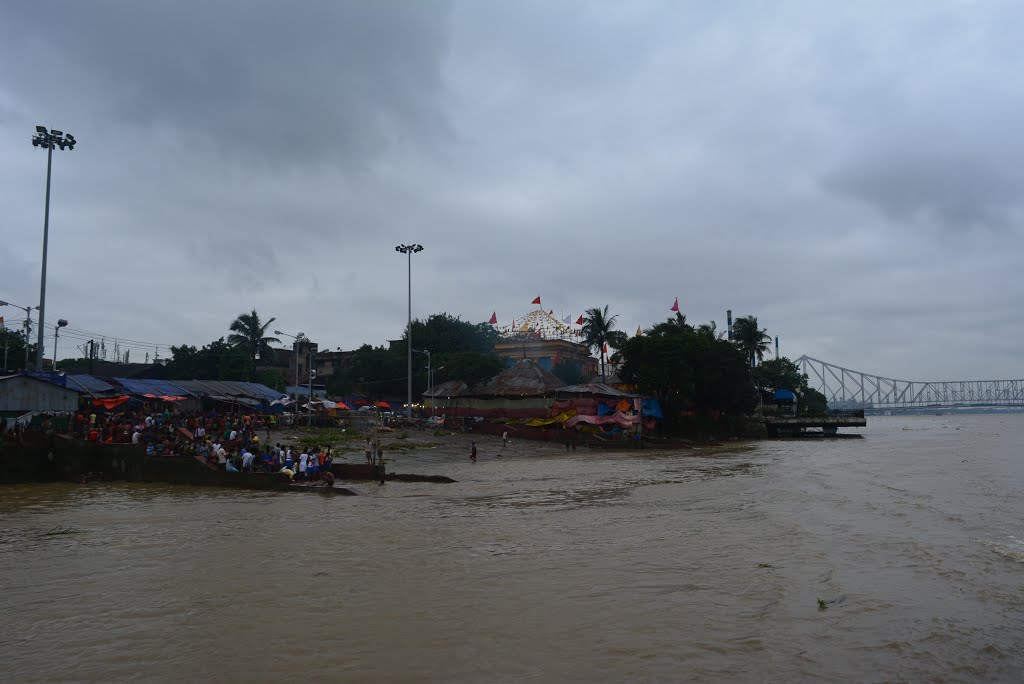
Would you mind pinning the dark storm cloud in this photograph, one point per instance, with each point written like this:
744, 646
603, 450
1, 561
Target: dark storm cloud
258, 80
848, 173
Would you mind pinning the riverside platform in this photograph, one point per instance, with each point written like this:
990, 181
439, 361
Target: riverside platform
829, 424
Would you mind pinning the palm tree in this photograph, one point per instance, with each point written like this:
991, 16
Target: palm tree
249, 333
672, 326
598, 331
753, 341
710, 331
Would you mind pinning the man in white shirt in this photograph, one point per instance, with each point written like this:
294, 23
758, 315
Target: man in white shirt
303, 464
222, 457
136, 436
247, 458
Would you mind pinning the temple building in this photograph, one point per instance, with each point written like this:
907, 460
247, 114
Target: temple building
546, 341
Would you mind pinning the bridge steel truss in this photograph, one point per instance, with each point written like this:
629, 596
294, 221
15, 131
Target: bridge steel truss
849, 387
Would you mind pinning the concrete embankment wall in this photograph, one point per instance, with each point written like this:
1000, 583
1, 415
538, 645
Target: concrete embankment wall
38, 457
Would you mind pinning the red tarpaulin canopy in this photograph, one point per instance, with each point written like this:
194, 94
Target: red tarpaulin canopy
383, 405
109, 403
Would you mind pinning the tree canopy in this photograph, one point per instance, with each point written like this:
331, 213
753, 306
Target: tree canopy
688, 370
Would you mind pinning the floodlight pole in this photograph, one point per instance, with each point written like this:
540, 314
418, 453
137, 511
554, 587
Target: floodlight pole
409, 250
47, 139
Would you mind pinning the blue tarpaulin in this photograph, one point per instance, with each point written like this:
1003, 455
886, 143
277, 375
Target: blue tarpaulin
92, 385
652, 408
160, 388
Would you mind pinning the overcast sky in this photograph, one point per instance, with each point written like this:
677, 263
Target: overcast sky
850, 173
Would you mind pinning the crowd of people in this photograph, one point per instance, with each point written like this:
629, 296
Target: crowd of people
229, 442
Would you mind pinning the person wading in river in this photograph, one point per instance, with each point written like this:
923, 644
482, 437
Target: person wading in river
472, 452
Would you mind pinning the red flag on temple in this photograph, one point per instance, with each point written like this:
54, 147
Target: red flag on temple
579, 321
675, 305
494, 318
604, 348
537, 300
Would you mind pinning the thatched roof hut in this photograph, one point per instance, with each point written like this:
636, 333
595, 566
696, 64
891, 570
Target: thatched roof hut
525, 379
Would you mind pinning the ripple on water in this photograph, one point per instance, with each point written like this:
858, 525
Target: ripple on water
1011, 548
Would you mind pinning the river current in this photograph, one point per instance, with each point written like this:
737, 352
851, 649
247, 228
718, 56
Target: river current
899, 556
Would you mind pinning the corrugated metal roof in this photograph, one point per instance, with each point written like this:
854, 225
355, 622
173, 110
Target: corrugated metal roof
524, 379
92, 385
159, 388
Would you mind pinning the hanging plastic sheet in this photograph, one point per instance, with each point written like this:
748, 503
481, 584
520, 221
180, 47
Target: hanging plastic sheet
110, 403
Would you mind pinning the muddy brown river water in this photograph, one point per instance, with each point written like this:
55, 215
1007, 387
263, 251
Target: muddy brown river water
899, 556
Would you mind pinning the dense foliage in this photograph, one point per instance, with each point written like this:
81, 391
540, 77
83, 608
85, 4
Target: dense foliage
688, 370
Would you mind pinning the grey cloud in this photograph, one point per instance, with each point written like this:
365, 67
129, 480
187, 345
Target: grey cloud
268, 81
812, 166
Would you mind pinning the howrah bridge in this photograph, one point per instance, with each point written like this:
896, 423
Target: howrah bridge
845, 387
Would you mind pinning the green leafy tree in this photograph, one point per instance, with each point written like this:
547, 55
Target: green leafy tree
710, 330
442, 333
597, 330
570, 372
675, 325
218, 360
752, 340
780, 373
813, 402
15, 349
249, 333
377, 371
688, 370
470, 367
272, 378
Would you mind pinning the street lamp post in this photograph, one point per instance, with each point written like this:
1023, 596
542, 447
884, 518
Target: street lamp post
28, 330
427, 352
295, 348
56, 334
433, 399
409, 250
48, 139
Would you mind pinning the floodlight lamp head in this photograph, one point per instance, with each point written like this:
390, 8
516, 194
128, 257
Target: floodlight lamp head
61, 323
278, 332
41, 129
56, 133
